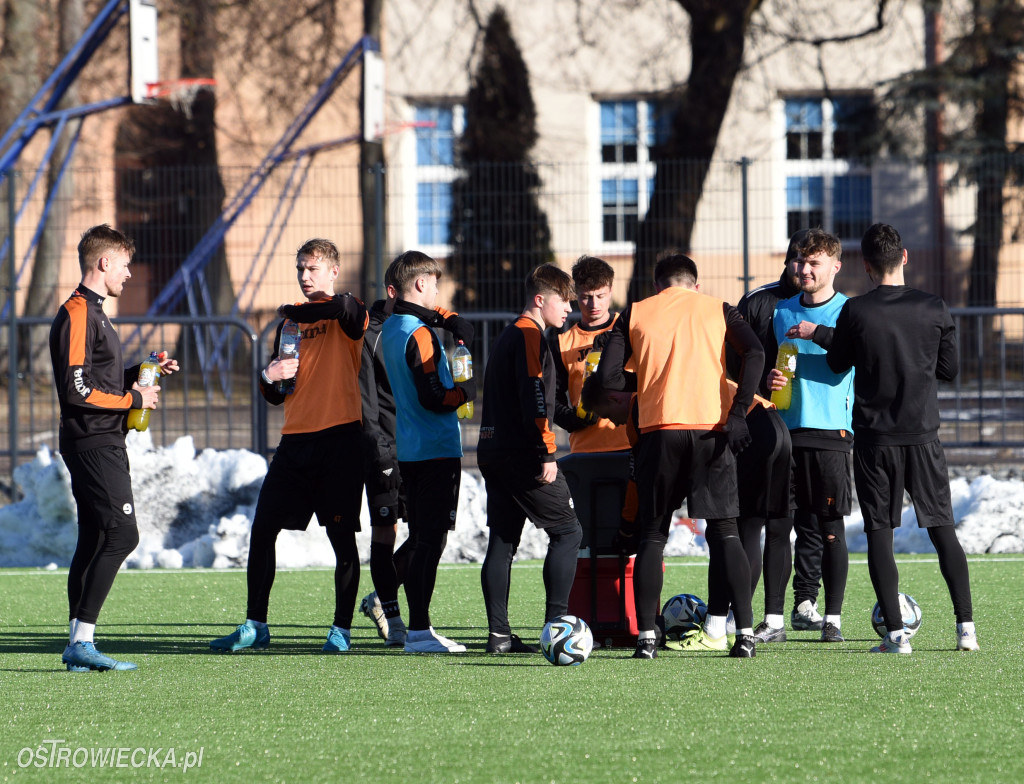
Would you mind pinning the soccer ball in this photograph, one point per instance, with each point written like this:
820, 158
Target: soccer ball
683, 613
566, 639
909, 609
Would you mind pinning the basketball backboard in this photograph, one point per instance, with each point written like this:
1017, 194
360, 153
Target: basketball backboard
144, 68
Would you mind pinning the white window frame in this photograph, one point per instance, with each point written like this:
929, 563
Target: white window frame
827, 167
413, 175
642, 171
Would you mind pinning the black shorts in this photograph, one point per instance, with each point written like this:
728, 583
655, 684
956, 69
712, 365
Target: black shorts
696, 465
514, 493
882, 473
320, 474
764, 469
101, 483
821, 481
432, 488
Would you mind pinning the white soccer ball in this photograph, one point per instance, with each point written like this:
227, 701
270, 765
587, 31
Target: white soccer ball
909, 609
566, 639
683, 613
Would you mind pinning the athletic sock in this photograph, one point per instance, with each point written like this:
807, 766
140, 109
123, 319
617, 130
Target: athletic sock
774, 621
748, 631
647, 635
391, 609
83, 632
257, 624
714, 626
833, 619
71, 628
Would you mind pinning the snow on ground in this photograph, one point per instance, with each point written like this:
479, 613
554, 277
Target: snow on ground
196, 509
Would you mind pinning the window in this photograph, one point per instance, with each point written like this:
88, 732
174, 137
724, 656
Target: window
630, 132
827, 184
436, 129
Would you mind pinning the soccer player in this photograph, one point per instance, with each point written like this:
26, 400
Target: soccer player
691, 425
384, 496
592, 278
516, 455
428, 438
781, 558
901, 342
318, 466
819, 420
95, 393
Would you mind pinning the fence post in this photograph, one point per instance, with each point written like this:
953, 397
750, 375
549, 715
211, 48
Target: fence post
744, 167
12, 332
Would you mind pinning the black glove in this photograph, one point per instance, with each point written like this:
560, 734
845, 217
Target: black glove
626, 542
737, 433
600, 340
388, 478
461, 328
468, 387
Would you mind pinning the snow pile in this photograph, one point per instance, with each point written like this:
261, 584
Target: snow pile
196, 510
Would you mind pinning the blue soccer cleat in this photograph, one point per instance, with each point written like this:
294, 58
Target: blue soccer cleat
83, 657
338, 641
245, 637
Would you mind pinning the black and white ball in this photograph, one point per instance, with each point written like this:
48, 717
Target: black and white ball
566, 639
683, 613
909, 609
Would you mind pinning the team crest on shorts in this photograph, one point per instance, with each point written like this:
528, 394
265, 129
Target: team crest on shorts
452, 516
127, 509
384, 511
571, 504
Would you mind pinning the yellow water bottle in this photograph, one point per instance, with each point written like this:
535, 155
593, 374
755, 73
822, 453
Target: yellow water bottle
786, 364
462, 370
149, 372
589, 368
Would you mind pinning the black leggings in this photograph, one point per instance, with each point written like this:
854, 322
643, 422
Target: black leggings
98, 556
421, 574
728, 572
262, 569
387, 570
778, 563
885, 576
559, 572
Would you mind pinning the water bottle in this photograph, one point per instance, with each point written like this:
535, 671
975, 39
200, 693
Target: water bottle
589, 368
288, 348
462, 370
149, 372
786, 364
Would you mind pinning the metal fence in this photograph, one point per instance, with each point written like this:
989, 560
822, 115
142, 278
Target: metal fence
982, 410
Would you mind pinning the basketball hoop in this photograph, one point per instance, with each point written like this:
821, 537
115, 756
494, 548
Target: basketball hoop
179, 93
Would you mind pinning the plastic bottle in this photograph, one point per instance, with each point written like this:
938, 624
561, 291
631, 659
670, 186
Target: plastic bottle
288, 348
149, 372
462, 370
786, 364
589, 367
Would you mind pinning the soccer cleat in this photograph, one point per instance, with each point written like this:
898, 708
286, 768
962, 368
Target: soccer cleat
83, 657
830, 633
245, 637
966, 640
397, 634
429, 641
805, 617
893, 642
370, 607
646, 649
509, 643
697, 640
745, 647
338, 641
765, 633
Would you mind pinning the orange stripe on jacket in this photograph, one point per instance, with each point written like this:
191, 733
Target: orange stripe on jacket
532, 337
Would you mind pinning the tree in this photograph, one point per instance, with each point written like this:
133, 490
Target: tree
975, 92
499, 231
718, 34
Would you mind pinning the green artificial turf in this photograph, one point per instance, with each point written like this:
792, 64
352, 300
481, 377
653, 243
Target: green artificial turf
799, 711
